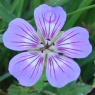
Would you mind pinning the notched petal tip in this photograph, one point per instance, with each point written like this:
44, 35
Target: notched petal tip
49, 20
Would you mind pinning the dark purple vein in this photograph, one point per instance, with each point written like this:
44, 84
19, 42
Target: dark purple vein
63, 59
41, 27
73, 49
68, 51
56, 29
33, 35
27, 34
66, 35
49, 26
31, 62
69, 43
54, 71
21, 42
25, 45
58, 64
64, 62
38, 64
26, 56
25, 37
50, 65
55, 25
64, 38
70, 37
44, 25
25, 59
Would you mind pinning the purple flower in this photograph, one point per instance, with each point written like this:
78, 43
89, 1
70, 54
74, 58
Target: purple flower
27, 67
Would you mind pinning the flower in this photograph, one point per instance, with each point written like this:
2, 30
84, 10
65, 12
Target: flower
27, 67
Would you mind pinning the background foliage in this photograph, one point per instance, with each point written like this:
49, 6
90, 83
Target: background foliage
80, 13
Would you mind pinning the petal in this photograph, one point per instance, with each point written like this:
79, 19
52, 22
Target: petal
27, 67
74, 43
20, 35
49, 20
61, 70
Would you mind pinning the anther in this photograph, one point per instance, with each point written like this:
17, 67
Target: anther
41, 43
42, 51
53, 44
47, 46
60, 53
48, 39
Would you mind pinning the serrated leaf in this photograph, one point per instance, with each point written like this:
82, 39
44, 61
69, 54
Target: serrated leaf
19, 90
49, 90
75, 89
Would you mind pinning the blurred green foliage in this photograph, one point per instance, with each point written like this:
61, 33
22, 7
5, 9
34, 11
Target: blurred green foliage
18, 90
80, 13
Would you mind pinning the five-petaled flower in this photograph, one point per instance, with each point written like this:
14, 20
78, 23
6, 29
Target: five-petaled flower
27, 67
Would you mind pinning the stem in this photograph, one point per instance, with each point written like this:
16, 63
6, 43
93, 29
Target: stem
80, 79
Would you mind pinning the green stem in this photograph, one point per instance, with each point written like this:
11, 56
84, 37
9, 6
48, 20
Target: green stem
4, 77
80, 79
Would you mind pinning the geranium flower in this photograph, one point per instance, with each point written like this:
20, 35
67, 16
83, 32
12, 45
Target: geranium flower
27, 67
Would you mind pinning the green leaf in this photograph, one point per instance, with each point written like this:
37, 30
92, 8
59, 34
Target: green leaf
94, 76
57, 2
72, 5
75, 89
14, 5
49, 90
39, 86
91, 57
36, 3
75, 16
87, 71
5, 14
19, 9
2, 92
82, 9
19, 90
5, 3
28, 14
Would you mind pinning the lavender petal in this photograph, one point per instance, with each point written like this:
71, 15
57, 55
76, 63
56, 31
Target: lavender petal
27, 67
61, 70
74, 43
20, 35
49, 20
